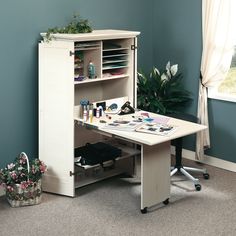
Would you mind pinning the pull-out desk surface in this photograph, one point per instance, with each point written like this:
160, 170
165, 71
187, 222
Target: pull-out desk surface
155, 154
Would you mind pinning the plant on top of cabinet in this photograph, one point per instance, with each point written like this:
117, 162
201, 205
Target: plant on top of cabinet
75, 26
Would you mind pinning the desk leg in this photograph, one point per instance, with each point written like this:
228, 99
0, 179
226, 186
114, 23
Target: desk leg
155, 175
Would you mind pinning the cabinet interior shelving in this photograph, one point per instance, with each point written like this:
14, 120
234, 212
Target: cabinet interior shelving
63, 83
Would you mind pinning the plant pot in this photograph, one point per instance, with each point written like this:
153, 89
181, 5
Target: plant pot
18, 197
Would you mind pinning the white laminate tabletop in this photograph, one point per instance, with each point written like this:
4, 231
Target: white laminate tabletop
184, 128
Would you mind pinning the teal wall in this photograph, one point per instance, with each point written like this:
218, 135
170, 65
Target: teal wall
170, 30
20, 23
178, 38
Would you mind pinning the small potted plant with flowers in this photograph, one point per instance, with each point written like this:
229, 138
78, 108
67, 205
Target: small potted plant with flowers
22, 181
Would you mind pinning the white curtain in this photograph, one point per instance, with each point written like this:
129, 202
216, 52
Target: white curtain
218, 29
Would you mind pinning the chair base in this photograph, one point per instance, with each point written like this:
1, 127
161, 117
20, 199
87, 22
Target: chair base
178, 155
184, 169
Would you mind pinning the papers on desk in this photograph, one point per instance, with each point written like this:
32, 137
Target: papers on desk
141, 122
156, 128
140, 126
123, 125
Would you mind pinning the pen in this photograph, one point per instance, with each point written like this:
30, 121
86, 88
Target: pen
165, 129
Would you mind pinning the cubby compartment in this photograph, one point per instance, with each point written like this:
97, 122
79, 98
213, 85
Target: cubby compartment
115, 58
89, 174
123, 164
84, 54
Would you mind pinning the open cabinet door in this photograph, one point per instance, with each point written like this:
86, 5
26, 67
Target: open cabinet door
56, 123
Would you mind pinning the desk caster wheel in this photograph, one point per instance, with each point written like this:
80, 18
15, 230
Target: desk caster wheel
166, 202
206, 176
144, 210
198, 187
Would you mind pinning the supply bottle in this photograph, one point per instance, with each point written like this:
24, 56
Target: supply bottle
91, 70
91, 113
97, 112
85, 114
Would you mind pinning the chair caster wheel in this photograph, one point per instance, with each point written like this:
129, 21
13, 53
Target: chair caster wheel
144, 210
166, 202
198, 187
206, 176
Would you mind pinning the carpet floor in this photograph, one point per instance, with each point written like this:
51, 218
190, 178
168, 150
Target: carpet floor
112, 208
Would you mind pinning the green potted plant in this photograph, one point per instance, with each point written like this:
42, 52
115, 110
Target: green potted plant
75, 26
22, 181
162, 91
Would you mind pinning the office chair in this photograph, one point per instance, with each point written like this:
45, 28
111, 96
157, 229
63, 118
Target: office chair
178, 167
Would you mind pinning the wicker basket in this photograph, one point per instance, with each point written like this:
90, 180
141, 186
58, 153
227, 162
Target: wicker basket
25, 197
30, 195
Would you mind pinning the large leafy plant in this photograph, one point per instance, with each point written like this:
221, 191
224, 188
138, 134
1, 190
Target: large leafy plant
163, 91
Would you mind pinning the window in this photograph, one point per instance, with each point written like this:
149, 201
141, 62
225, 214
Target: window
227, 88
229, 84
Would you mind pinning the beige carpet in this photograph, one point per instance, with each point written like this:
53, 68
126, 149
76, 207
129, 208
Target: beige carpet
112, 207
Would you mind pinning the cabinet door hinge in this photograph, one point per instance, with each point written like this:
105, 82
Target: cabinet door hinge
72, 53
72, 173
133, 47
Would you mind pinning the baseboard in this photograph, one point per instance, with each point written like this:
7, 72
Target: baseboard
209, 160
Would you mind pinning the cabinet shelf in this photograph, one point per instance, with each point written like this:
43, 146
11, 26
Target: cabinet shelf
114, 49
101, 79
105, 164
84, 49
81, 179
115, 58
87, 46
126, 153
86, 174
78, 67
115, 55
114, 67
113, 61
